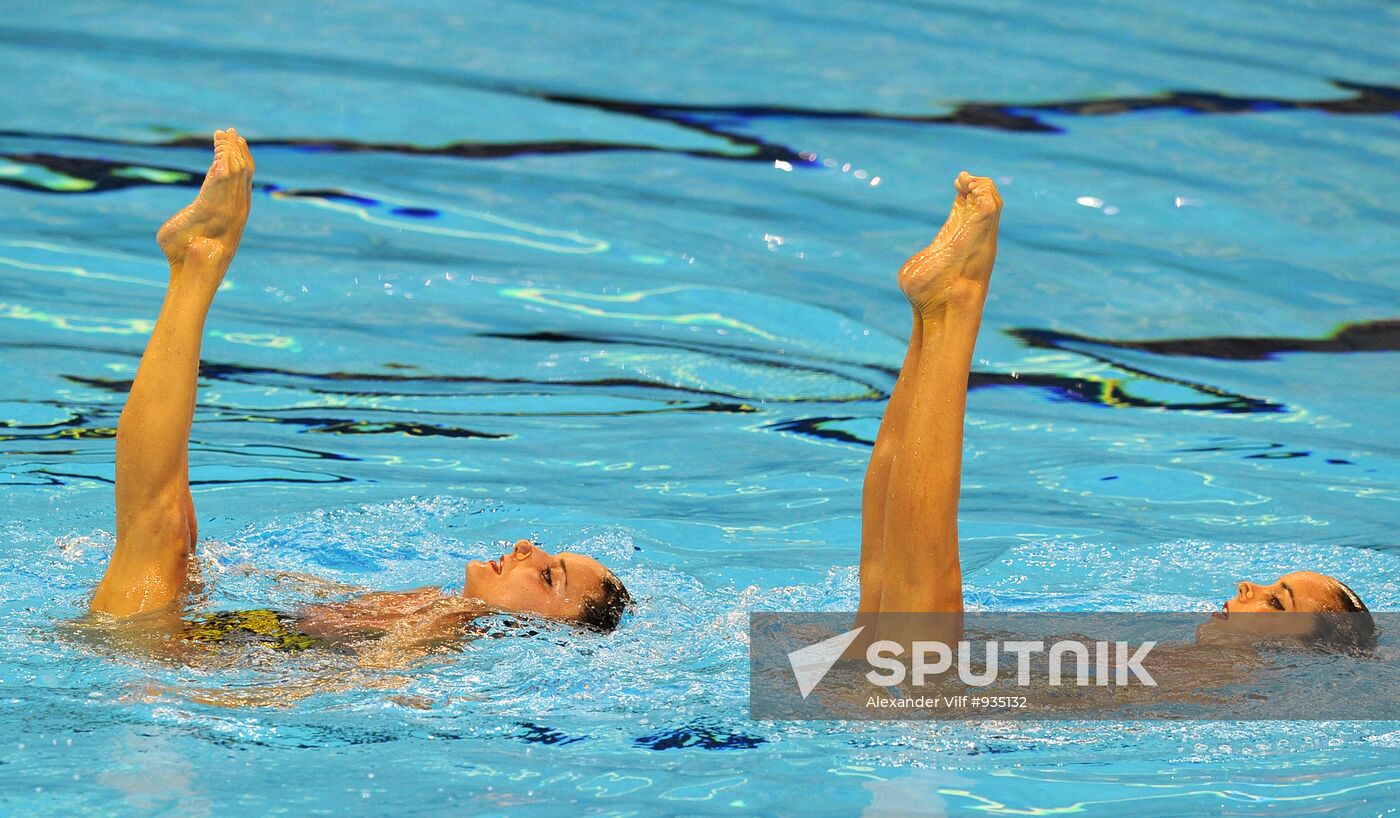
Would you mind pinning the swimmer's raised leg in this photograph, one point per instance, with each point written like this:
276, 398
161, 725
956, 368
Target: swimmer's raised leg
156, 529
922, 434
875, 492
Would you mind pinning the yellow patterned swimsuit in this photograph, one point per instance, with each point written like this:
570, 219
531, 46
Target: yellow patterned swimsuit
268, 628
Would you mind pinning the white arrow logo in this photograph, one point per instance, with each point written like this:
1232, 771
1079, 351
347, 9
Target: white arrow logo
811, 663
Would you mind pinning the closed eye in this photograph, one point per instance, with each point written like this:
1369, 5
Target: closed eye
549, 577
1276, 603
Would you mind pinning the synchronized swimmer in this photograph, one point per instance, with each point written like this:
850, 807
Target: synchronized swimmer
909, 538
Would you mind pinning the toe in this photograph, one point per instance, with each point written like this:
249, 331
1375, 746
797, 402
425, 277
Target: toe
984, 194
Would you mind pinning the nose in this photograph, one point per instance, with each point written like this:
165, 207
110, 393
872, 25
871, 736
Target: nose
1246, 590
523, 549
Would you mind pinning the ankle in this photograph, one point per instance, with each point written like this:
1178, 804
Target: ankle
196, 278
204, 252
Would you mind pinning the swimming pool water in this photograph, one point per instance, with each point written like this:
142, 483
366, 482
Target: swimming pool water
621, 277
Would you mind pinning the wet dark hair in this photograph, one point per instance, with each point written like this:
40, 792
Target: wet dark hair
1351, 629
603, 611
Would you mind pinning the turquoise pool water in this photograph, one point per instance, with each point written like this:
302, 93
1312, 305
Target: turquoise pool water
621, 277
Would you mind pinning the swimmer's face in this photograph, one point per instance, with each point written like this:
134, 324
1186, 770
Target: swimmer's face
1301, 592
529, 579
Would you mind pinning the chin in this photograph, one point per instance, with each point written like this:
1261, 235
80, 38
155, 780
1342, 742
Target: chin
475, 582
